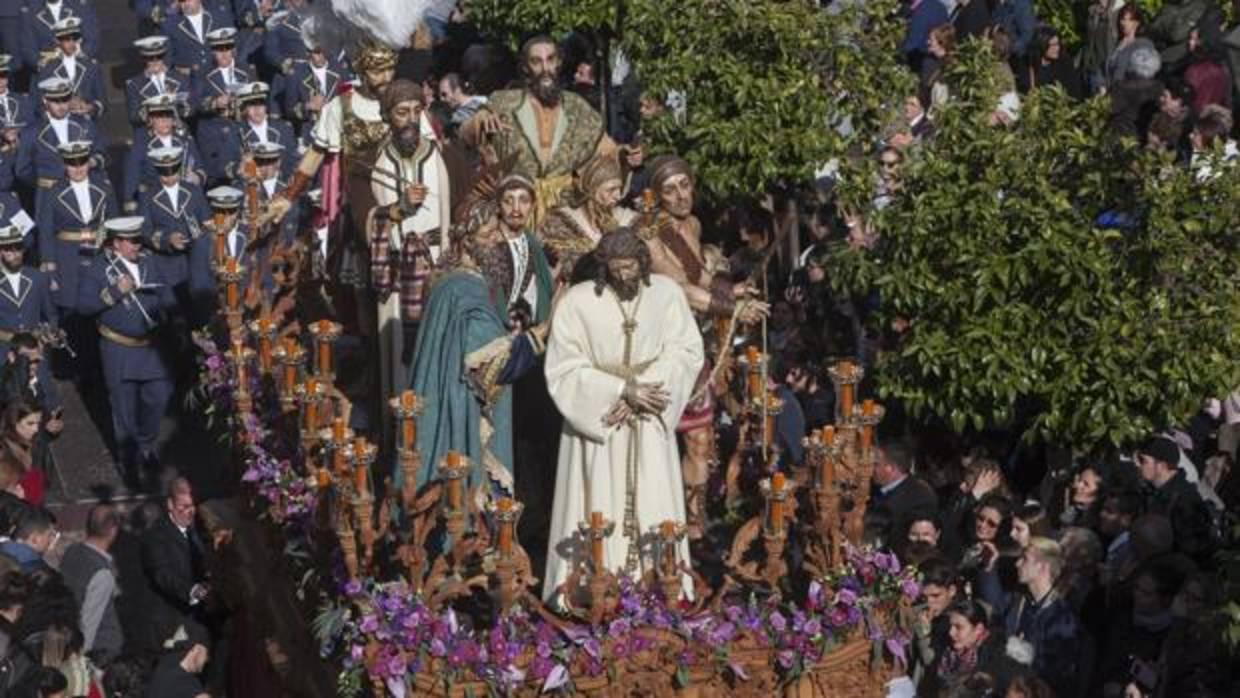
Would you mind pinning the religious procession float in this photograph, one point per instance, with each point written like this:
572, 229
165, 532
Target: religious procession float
428, 591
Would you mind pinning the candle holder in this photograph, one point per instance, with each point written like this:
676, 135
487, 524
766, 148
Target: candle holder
310, 393
510, 576
406, 408
264, 329
775, 492
361, 455
667, 568
241, 356
291, 357
228, 274
325, 333
337, 443
601, 588
866, 416
453, 469
845, 376
755, 366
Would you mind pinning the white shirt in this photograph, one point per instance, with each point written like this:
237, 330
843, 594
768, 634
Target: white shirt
132, 268
55, 8
165, 141
81, 192
195, 21
15, 281
158, 79
269, 186
71, 66
260, 130
173, 193
320, 75
229, 77
61, 127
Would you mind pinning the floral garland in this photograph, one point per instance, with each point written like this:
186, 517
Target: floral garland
382, 631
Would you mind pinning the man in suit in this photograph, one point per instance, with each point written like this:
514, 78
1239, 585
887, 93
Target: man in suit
899, 497
155, 79
25, 293
125, 294
173, 558
162, 130
81, 71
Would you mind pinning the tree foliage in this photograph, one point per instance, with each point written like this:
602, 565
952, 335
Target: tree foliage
767, 83
1026, 314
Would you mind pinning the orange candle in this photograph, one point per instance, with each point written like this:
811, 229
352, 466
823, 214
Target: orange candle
407, 433
311, 408
753, 358
454, 493
454, 459
239, 358
667, 529
359, 479
777, 504
323, 477
867, 437
325, 358
827, 476
264, 352
828, 435
290, 378
846, 389
505, 527
867, 407
338, 431
596, 540
221, 247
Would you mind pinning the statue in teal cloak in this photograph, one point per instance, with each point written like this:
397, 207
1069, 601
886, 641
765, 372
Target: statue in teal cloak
465, 359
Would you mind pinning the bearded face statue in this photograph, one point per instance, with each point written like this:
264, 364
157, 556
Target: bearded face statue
603, 201
541, 67
676, 196
405, 120
516, 206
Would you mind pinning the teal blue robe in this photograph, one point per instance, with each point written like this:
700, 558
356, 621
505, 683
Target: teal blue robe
461, 317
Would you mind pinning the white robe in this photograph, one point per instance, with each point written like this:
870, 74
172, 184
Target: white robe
586, 338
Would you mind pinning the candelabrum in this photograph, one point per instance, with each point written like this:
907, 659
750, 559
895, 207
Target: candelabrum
845, 376
263, 328
775, 491
453, 470
591, 591
362, 456
510, 565
325, 333
866, 417
291, 357
310, 394
667, 573
821, 455
241, 357
406, 408
229, 274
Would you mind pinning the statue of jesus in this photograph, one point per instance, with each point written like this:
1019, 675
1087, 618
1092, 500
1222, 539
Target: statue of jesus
621, 362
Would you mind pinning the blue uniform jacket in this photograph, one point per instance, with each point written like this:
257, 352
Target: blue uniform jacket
202, 284
15, 107
142, 87
300, 86
60, 214
185, 51
140, 174
37, 35
29, 306
37, 157
87, 82
245, 138
10, 206
99, 297
163, 219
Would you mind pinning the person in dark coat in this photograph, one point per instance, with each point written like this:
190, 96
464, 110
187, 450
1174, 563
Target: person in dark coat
1134, 100
971, 19
972, 646
900, 496
176, 674
1173, 496
172, 558
1050, 65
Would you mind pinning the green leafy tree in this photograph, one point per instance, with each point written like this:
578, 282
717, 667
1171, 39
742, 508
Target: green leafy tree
1025, 314
768, 84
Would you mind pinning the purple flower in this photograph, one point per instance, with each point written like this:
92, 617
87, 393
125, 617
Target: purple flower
618, 627
910, 588
555, 679
786, 658
846, 597
438, 648
369, 623
778, 622
812, 627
